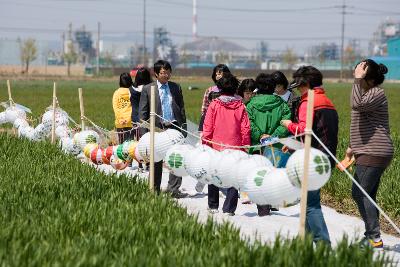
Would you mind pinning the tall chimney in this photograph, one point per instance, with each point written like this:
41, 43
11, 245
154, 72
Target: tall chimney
194, 26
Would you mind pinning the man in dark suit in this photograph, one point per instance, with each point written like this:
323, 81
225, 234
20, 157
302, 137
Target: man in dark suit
169, 105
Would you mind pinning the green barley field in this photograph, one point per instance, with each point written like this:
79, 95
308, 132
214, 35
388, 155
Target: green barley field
56, 211
60, 211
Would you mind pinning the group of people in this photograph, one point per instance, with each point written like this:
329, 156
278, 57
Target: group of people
246, 113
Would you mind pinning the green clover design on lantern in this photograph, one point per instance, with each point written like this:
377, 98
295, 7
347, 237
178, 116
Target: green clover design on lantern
258, 180
322, 163
175, 160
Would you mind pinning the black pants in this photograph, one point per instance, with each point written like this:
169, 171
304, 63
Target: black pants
369, 179
174, 181
231, 199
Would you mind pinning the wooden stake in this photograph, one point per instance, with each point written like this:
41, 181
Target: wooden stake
9, 93
307, 148
152, 126
14, 131
81, 108
53, 122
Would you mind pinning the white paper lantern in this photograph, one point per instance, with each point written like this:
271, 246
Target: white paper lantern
61, 117
144, 147
68, 146
62, 131
175, 136
27, 132
223, 171
86, 137
13, 113
41, 132
319, 170
265, 186
30, 134
138, 157
198, 163
175, 159
18, 123
247, 165
3, 118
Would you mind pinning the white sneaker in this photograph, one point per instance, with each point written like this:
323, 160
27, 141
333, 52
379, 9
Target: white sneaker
212, 211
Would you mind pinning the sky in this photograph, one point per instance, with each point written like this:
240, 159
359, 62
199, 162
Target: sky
296, 24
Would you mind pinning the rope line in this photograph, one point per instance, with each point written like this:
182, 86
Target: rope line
358, 185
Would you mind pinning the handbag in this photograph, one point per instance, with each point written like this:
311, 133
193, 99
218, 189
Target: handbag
276, 156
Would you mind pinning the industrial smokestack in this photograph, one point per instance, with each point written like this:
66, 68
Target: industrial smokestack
194, 26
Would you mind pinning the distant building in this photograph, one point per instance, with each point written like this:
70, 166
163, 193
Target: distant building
324, 52
387, 30
392, 60
213, 50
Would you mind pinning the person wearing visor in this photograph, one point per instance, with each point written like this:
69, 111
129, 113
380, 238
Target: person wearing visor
325, 126
281, 89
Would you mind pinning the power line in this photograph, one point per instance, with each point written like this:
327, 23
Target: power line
247, 9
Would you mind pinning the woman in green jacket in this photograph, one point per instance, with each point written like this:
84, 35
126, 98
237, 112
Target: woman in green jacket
265, 111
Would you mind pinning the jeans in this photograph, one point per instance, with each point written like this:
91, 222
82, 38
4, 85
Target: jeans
369, 179
315, 222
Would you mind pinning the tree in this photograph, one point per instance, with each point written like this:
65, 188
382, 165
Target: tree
28, 52
70, 57
289, 57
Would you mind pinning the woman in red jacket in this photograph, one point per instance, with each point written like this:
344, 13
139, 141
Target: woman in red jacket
226, 122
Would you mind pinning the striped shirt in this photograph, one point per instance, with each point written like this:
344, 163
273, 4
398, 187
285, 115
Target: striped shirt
369, 129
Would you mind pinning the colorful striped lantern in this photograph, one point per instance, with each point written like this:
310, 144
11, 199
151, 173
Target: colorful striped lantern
319, 168
122, 151
118, 164
125, 150
132, 149
87, 150
246, 165
265, 186
96, 156
107, 153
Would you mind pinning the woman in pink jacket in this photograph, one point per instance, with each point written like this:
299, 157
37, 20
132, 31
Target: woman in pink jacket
226, 122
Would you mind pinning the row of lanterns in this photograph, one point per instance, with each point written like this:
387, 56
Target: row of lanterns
253, 174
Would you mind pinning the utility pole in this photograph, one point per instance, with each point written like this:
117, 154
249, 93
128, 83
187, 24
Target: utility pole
342, 41
144, 32
98, 50
194, 22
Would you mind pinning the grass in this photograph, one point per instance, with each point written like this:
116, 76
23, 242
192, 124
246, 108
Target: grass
97, 95
56, 211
